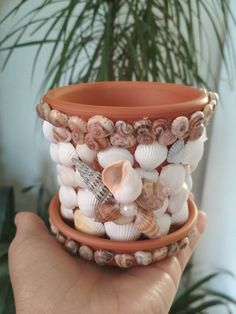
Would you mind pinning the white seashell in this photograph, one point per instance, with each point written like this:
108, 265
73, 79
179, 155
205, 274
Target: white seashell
150, 156
67, 213
123, 220
85, 153
193, 151
125, 232
67, 196
159, 254
59, 180
181, 216
48, 131
143, 258
176, 152
178, 199
173, 177
66, 152
113, 154
164, 223
66, 175
188, 178
79, 180
129, 209
54, 152
123, 181
87, 203
151, 175
88, 225
160, 211
193, 167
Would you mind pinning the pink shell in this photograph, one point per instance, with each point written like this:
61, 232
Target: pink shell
147, 138
96, 143
166, 138
118, 140
196, 125
124, 128
58, 118
61, 134
77, 125
43, 111
100, 126
142, 126
159, 126
124, 260
179, 127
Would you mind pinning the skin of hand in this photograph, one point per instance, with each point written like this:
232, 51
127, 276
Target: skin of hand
46, 279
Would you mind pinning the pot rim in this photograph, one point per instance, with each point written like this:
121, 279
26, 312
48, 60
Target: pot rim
193, 103
121, 246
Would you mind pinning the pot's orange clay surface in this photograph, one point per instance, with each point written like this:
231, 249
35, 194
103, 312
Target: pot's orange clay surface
120, 246
126, 100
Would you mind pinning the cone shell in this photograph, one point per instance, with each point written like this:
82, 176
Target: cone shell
160, 211
146, 223
58, 118
124, 260
126, 232
180, 217
88, 225
173, 177
176, 152
48, 132
108, 211
67, 213
124, 220
129, 209
87, 203
103, 257
86, 253
66, 175
178, 199
150, 156
193, 151
159, 254
114, 154
164, 223
66, 152
67, 196
143, 258
151, 175
123, 181
54, 152
85, 154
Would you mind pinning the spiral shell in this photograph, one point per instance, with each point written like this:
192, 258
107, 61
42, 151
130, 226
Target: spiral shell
66, 153
96, 143
88, 225
114, 154
58, 118
108, 211
183, 243
67, 196
100, 126
67, 213
43, 111
208, 112
146, 222
181, 216
196, 125
61, 134
143, 131
173, 177
76, 124
124, 260
72, 247
124, 128
159, 126
175, 153
178, 199
118, 140
213, 96
150, 156
86, 253
143, 258
179, 127
127, 232
173, 249
102, 257
87, 203
159, 254
167, 138
86, 154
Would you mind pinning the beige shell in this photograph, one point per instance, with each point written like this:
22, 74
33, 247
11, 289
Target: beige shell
43, 111
103, 257
76, 124
208, 112
96, 143
86, 154
146, 222
181, 216
86, 253
143, 131
183, 243
87, 203
173, 249
67, 213
159, 254
127, 232
72, 247
66, 175
196, 125
124, 260
129, 209
178, 199
164, 223
160, 211
118, 140
193, 151
150, 156
48, 131
114, 154
151, 175
167, 138
88, 225
54, 152
179, 127
61, 134
176, 152
143, 258
159, 126
66, 152
107, 211
124, 128
58, 118
123, 181
100, 126
67, 196
173, 177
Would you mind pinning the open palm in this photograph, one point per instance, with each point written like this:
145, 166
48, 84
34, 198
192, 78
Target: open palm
47, 280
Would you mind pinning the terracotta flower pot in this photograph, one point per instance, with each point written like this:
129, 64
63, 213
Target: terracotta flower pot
125, 152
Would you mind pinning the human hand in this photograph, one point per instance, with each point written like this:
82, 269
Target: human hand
46, 279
